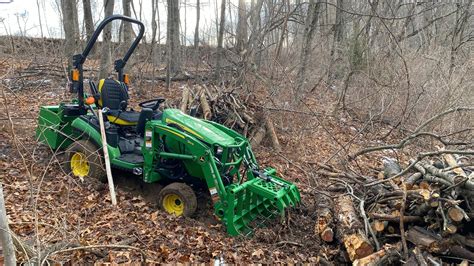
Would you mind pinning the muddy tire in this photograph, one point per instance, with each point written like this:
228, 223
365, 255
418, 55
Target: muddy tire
84, 160
178, 199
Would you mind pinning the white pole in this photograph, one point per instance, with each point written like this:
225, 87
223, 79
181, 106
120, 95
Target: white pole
106, 158
5, 236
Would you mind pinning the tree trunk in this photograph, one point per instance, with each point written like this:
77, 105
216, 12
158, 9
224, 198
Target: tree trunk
5, 236
339, 26
255, 42
312, 18
127, 29
71, 33
220, 40
88, 22
242, 27
39, 18
349, 229
106, 41
172, 38
196, 29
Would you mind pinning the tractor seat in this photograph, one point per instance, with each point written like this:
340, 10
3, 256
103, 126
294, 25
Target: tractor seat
113, 95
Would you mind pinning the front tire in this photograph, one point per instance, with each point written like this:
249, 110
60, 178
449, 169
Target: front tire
84, 160
178, 199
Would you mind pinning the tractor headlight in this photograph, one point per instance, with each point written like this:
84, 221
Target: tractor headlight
219, 150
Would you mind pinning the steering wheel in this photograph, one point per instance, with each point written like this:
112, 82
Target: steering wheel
152, 104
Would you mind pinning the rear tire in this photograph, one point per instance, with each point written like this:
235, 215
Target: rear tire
84, 160
178, 199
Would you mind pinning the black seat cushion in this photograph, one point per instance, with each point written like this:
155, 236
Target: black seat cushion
112, 93
128, 116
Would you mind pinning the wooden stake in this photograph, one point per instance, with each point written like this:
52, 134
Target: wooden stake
106, 159
5, 236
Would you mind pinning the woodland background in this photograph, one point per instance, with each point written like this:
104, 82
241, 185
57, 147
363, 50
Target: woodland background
344, 82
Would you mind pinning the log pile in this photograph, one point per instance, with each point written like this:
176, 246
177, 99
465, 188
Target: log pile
422, 217
230, 108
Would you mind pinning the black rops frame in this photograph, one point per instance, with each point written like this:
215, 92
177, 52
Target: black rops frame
79, 59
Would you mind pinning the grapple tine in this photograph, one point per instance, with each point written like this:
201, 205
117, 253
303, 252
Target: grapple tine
258, 198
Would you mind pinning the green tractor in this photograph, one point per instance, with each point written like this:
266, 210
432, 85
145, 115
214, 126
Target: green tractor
168, 146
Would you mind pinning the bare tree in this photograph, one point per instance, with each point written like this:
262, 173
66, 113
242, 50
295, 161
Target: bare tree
312, 18
172, 38
255, 36
242, 26
88, 22
155, 27
196, 29
39, 18
127, 27
71, 32
106, 41
220, 40
339, 26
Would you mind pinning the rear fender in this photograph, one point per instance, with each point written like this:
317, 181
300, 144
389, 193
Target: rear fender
87, 131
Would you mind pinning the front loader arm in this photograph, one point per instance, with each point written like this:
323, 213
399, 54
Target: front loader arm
194, 151
262, 195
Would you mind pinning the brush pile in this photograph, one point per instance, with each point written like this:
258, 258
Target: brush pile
423, 216
231, 109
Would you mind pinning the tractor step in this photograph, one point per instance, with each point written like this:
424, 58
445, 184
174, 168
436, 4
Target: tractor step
131, 158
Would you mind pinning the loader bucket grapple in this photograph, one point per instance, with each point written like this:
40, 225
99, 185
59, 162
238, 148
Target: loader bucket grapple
167, 146
259, 199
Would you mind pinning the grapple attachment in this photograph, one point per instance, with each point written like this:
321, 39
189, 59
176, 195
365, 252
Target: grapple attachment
264, 196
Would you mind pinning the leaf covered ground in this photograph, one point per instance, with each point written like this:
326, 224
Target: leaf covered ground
53, 211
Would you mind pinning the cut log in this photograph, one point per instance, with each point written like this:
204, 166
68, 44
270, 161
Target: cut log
434, 179
469, 184
206, 110
419, 257
449, 158
418, 167
271, 132
258, 136
379, 226
395, 218
349, 229
435, 244
421, 237
456, 214
184, 100
382, 257
437, 172
323, 226
413, 178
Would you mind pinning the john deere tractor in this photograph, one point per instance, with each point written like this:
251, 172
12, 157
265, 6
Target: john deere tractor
166, 146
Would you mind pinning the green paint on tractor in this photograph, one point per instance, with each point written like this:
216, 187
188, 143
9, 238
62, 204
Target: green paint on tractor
166, 146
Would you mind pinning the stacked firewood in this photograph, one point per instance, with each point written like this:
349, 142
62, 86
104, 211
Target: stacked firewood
230, 108
423, 217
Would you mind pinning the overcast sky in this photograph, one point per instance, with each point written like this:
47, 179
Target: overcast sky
21, 16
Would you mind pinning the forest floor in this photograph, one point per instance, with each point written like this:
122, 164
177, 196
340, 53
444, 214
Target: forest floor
51, 210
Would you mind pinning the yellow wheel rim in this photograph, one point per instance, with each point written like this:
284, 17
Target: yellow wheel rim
79, 164
173, 204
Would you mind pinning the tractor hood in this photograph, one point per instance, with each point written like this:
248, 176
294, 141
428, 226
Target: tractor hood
196, 127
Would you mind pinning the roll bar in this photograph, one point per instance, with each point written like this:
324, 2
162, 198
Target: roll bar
79, 59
